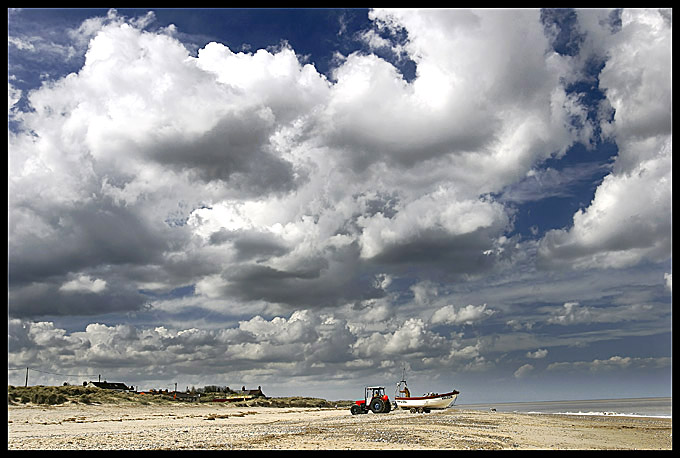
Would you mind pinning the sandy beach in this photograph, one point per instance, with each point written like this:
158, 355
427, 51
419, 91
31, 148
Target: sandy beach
220, 426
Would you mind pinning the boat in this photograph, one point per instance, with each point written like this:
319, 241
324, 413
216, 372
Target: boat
426, 402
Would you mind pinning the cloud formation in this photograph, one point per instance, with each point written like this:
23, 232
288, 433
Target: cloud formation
461, 315
333, 220
84, 283
296, 344
620, 227
146, 147
614, 363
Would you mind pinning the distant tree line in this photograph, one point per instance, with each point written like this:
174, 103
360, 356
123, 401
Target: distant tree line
212, 389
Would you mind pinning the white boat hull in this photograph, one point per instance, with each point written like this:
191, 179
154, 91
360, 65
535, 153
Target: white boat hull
438, 401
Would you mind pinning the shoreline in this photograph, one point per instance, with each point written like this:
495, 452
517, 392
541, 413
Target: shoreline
648, 407
602, 414
202, 427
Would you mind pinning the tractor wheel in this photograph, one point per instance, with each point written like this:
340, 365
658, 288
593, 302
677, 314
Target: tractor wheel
377, 405
388, 407
355, 409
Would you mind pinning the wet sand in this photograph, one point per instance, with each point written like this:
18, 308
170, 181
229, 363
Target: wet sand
220, 426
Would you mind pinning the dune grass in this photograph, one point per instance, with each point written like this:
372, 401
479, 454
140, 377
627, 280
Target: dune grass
56, 395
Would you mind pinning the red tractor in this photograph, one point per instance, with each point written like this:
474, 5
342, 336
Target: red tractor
374, 400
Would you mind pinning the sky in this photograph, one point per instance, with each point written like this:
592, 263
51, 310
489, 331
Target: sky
315, 200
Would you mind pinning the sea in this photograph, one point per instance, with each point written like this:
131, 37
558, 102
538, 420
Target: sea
633, 407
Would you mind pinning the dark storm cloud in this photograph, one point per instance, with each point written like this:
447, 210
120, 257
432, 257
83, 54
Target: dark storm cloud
85, 236
50, 299
97, 240
335, 278
443, 255
251, 244
363, 147
235, 151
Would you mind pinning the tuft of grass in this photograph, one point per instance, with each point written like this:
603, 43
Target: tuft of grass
49, 395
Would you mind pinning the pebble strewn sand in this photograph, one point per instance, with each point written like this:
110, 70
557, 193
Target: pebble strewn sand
220, 426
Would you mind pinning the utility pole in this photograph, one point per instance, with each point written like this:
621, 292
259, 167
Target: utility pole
26, 385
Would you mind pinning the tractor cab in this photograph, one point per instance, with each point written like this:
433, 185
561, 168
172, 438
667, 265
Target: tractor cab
374, 392
374, 400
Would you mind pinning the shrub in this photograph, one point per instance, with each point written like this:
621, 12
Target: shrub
37, 397
75, 390
55, 398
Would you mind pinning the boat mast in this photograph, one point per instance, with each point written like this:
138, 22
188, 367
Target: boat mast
399, 390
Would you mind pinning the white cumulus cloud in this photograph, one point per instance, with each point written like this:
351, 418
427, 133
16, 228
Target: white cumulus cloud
469, 314
84, 284
628, 220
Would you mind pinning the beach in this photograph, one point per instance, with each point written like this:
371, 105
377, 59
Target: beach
216, 426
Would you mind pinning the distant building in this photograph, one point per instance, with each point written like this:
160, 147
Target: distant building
110, 386
242, 395
253, 393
